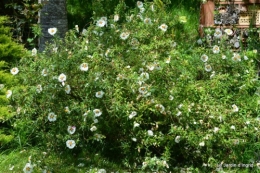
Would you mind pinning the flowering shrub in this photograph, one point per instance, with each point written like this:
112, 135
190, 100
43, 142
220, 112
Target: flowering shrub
125, 89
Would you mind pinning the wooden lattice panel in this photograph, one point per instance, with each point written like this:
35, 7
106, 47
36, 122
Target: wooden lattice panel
246, 18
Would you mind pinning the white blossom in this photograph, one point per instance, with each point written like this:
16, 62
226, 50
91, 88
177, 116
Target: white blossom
163, 27
9, 93
93, 128
99, 94
28, 168
235, 108
70, 144
202, 144
52, 31
150, 132
97, 112
84, 67
177, 139
14, 71
34, 51
133, 113
71, 129
52, 117
124, 35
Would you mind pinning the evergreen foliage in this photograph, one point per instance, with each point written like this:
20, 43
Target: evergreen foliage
10, 53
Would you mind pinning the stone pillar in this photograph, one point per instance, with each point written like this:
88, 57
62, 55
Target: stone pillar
52, 15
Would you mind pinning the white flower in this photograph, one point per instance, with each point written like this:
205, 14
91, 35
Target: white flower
178, 113
216, 49
174, 44
204, 58
163, 27
95, 121
199, 41
101, 171
144, 76
116, 17
67, 110
119, 77
101, 22
2, 86
52, 117
235, 108
52, 31
160, 107
245, 57
177, 139
77, 28
55, 49
150, 67
62, 77
107, 52
97, 112
236, 57
142, 10
136, 124
8, 93
71, 129
124, 35
150, 132
84, 32
228, 31
34, 51
44, 72
168, 60
11, 167
236, 44
67, 89
152, 7
134, 139
28, 168
140, 4
84, 67
39, 88
223, 56
93, 128
233, 127
70, 144
14, 70
216, 129
134, 42
217, 33
147, 21
133, 113
99, 94
142, 90
202, 144
208, 67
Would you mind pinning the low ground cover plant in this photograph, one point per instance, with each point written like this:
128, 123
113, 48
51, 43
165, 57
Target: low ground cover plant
126, 89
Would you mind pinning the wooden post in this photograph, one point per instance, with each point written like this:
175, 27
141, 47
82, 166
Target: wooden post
206, 15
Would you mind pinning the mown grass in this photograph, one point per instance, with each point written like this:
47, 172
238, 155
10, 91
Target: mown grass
13, 161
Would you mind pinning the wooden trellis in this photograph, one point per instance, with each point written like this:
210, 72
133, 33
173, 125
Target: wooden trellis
230, 13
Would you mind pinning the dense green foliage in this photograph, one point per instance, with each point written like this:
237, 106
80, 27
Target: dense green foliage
135, 91
10, 53
132, 89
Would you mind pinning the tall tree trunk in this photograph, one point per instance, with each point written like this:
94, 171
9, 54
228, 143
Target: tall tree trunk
52, 15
